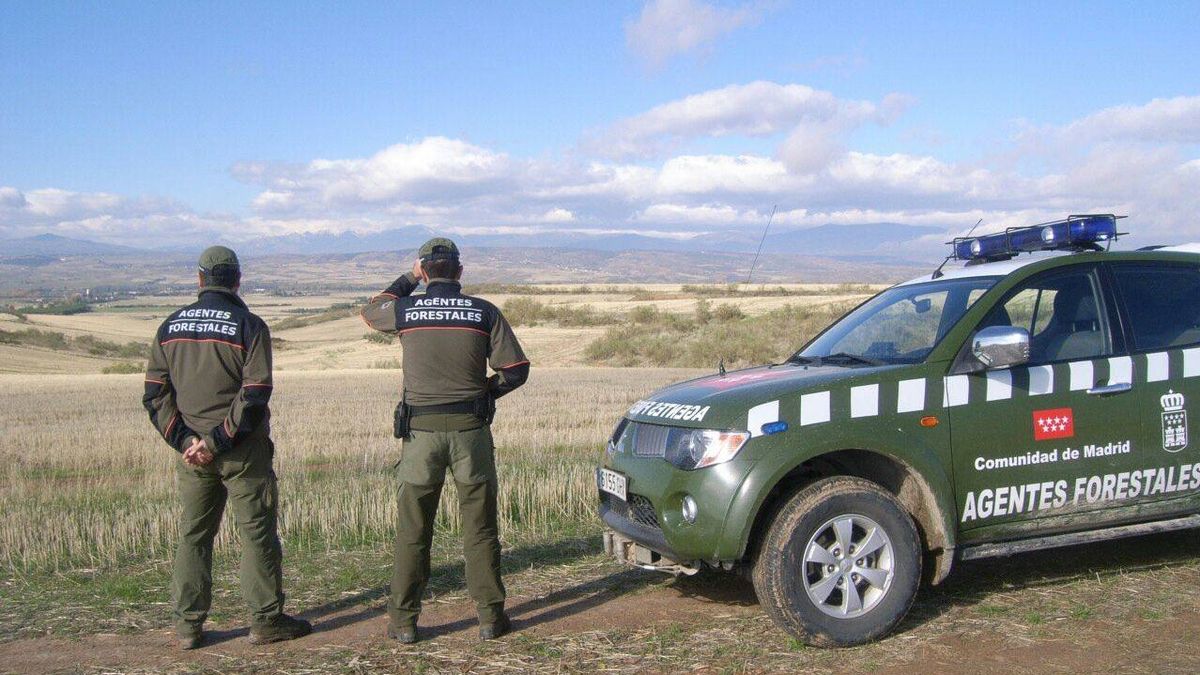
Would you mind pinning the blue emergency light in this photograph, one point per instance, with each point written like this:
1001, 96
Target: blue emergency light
1074, 233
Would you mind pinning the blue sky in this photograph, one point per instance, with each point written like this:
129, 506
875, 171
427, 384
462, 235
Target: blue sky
185, 121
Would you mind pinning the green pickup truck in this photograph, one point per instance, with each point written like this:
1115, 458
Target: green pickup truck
1008, 404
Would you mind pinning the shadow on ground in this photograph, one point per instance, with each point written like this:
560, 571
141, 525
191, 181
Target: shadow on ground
452, 577
971, 582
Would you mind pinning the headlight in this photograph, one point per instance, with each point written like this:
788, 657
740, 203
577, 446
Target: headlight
697, 448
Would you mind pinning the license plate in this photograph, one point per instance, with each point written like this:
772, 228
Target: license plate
613, 483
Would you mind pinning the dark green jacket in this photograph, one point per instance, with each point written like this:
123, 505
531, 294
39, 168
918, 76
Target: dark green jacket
449, 340
209, 374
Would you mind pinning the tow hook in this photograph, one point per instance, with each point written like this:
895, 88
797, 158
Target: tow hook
630, 552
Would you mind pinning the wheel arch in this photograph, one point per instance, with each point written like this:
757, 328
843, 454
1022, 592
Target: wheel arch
912, 489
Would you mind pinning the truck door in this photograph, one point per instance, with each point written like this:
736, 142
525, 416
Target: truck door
1160, 305
1039, 439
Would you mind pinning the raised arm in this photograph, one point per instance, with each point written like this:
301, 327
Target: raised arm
380, 312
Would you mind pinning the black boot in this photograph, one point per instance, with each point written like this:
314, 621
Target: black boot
282, 627
492, 631
404, 635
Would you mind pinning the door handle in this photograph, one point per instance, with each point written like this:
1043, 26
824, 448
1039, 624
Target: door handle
1115, 388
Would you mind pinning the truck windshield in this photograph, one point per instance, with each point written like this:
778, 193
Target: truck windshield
900, 325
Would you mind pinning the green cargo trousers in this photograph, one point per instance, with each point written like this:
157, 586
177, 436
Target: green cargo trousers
470, 457
244, 476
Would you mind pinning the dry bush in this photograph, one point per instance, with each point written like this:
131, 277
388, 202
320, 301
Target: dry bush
727, 312
735, 290
525, 311
523, 289
335, 312
654, 338
380, 338
87, 344
522, 311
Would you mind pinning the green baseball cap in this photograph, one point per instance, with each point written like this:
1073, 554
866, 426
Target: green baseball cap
436, 248
217, 255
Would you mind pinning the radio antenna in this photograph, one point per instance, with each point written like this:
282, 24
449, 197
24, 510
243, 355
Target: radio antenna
760, 244
937, 274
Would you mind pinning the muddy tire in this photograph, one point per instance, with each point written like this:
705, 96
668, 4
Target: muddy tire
840, 563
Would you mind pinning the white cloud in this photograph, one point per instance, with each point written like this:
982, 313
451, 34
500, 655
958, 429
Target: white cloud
528, 230
723, 174
1162, 120
1139, 160
811, 148
431, 170
756, 109
558, 216
668, 28
706, 215
143, 221
11, 198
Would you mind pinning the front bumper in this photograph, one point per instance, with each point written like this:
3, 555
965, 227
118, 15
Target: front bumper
647, 536
652, 517
640, 546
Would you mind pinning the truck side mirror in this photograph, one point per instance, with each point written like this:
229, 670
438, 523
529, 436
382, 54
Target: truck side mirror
998, 347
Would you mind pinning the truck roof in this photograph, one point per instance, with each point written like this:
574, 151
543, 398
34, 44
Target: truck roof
1006, 267
996, 269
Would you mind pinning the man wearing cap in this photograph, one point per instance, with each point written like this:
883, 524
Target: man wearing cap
449, 340
207, 387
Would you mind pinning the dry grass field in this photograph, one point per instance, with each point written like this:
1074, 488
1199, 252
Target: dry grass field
84, 480
322, 331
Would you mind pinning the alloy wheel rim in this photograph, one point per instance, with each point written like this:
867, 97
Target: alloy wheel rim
849, 564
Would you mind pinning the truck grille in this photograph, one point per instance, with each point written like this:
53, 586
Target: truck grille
638, 509
648, 440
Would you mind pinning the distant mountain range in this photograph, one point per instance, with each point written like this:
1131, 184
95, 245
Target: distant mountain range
52, 245
52, 265
880, 241
829, 240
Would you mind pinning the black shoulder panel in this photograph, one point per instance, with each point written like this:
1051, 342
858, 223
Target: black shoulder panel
444, 310
212, 319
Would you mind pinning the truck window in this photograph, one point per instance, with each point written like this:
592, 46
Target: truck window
1162, 302
1063, 314
901, 324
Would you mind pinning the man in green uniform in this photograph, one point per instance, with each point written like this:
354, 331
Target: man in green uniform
207, 388
449, 340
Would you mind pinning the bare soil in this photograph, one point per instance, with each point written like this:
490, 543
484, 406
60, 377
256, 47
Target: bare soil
1051, 612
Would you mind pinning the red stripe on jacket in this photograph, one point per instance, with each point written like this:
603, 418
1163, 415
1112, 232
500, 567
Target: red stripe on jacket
473, 330
224, 342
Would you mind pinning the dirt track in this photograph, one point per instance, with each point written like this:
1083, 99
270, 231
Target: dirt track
616, 608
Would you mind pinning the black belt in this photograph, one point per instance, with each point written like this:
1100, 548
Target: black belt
446, 408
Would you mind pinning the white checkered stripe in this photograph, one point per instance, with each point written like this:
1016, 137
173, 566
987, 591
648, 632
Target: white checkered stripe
865, 400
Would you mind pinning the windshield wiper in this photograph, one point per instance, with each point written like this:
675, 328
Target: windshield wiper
804, 360
854, 358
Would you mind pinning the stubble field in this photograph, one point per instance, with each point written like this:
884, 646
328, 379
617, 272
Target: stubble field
86, 481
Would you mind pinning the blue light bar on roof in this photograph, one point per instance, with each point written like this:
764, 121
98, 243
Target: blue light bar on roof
1074, 233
